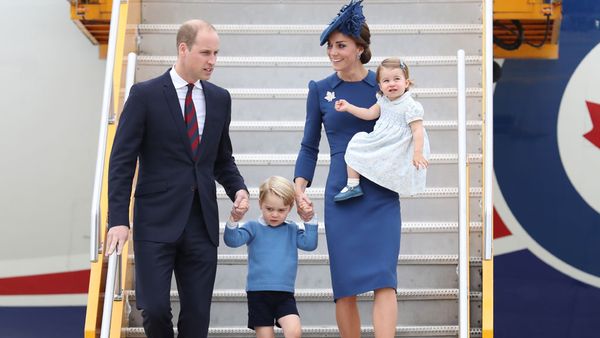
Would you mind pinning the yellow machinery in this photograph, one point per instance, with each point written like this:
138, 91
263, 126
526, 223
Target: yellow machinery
527, 29
92, 17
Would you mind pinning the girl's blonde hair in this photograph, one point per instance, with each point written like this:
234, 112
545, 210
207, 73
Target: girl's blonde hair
279, 187
393, 63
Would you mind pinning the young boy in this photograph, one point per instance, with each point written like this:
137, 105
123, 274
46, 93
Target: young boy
273, 244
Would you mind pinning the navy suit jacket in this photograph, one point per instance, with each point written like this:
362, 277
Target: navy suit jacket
152, 130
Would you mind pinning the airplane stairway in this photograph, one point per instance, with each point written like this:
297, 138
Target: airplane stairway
269, 52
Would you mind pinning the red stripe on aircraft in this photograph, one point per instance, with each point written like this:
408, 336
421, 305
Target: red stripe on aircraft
73, 282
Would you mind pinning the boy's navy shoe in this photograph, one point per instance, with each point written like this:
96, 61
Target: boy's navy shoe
351, 192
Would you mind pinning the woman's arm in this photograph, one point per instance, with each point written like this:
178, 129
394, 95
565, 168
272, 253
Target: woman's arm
362, 113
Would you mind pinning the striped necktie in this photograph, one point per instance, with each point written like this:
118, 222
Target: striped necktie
191, 121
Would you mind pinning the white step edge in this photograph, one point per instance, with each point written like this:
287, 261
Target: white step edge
322, 331
316, 2
318, 193
317, 29
411, 227
324, 159
301, 93
308, 295
294, 61
322, 259
299, 125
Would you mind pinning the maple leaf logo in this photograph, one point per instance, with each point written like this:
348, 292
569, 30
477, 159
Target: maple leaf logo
594, 135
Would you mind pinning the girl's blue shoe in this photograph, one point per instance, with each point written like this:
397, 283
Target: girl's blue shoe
350, 192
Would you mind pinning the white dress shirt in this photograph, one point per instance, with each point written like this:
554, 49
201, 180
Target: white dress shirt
197, 96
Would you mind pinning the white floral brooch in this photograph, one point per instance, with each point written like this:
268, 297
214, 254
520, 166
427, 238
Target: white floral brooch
330, 96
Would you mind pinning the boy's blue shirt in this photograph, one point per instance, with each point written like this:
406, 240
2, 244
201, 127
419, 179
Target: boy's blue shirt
272, 251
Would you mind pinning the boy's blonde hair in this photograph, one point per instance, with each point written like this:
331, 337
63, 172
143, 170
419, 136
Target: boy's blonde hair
278, 186
394, 63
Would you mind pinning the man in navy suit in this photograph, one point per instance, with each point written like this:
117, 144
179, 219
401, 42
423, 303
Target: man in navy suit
176, 222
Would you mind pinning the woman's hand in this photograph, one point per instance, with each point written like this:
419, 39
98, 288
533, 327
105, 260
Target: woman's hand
304, 206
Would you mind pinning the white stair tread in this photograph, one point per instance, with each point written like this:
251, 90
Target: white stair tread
317, 29
320, 259
299, 125
305, 295
301, 93
323, 159
318, 193
324, 331
413, 227
297, 61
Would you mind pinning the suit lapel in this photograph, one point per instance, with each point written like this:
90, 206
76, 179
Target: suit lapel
176, 113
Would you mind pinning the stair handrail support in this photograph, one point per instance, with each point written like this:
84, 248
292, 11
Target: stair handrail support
488, 160
463, 198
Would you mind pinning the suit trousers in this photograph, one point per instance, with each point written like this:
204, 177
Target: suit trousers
193, 259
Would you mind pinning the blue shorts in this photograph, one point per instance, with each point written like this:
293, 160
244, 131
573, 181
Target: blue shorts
266, 307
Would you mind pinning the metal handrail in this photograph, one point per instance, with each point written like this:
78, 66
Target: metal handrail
488, 161
113, 263
95, 247
463, 196
115, 271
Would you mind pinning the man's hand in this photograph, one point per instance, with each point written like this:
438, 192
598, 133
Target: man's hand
116, 238
240, 205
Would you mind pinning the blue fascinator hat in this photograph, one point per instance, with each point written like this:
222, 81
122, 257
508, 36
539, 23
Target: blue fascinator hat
349, 21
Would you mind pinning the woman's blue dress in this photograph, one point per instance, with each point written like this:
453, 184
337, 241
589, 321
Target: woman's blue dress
363, 233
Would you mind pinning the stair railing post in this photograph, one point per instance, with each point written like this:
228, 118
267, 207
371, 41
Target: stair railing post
463, 197
488, 161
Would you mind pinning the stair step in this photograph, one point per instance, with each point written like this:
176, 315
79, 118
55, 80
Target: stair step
299, 125
413, 227
414, 271
437, 331
306, 61
280, 106
324, 159
308, 11
319, 295
302, 40
301, 93
316, 307
298, 71
443, 168
242, 259
318, 193
282, 137
376, 29
434, 205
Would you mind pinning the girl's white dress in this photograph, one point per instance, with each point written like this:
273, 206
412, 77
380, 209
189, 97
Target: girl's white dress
385, 155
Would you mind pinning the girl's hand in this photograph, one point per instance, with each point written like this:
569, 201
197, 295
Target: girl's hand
419, 161
341, 105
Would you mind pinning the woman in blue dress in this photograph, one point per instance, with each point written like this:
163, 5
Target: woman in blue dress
363, 234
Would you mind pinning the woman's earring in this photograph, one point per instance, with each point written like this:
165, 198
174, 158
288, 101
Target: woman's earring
358, 55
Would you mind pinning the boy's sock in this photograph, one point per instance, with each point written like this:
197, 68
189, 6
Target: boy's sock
352, 182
